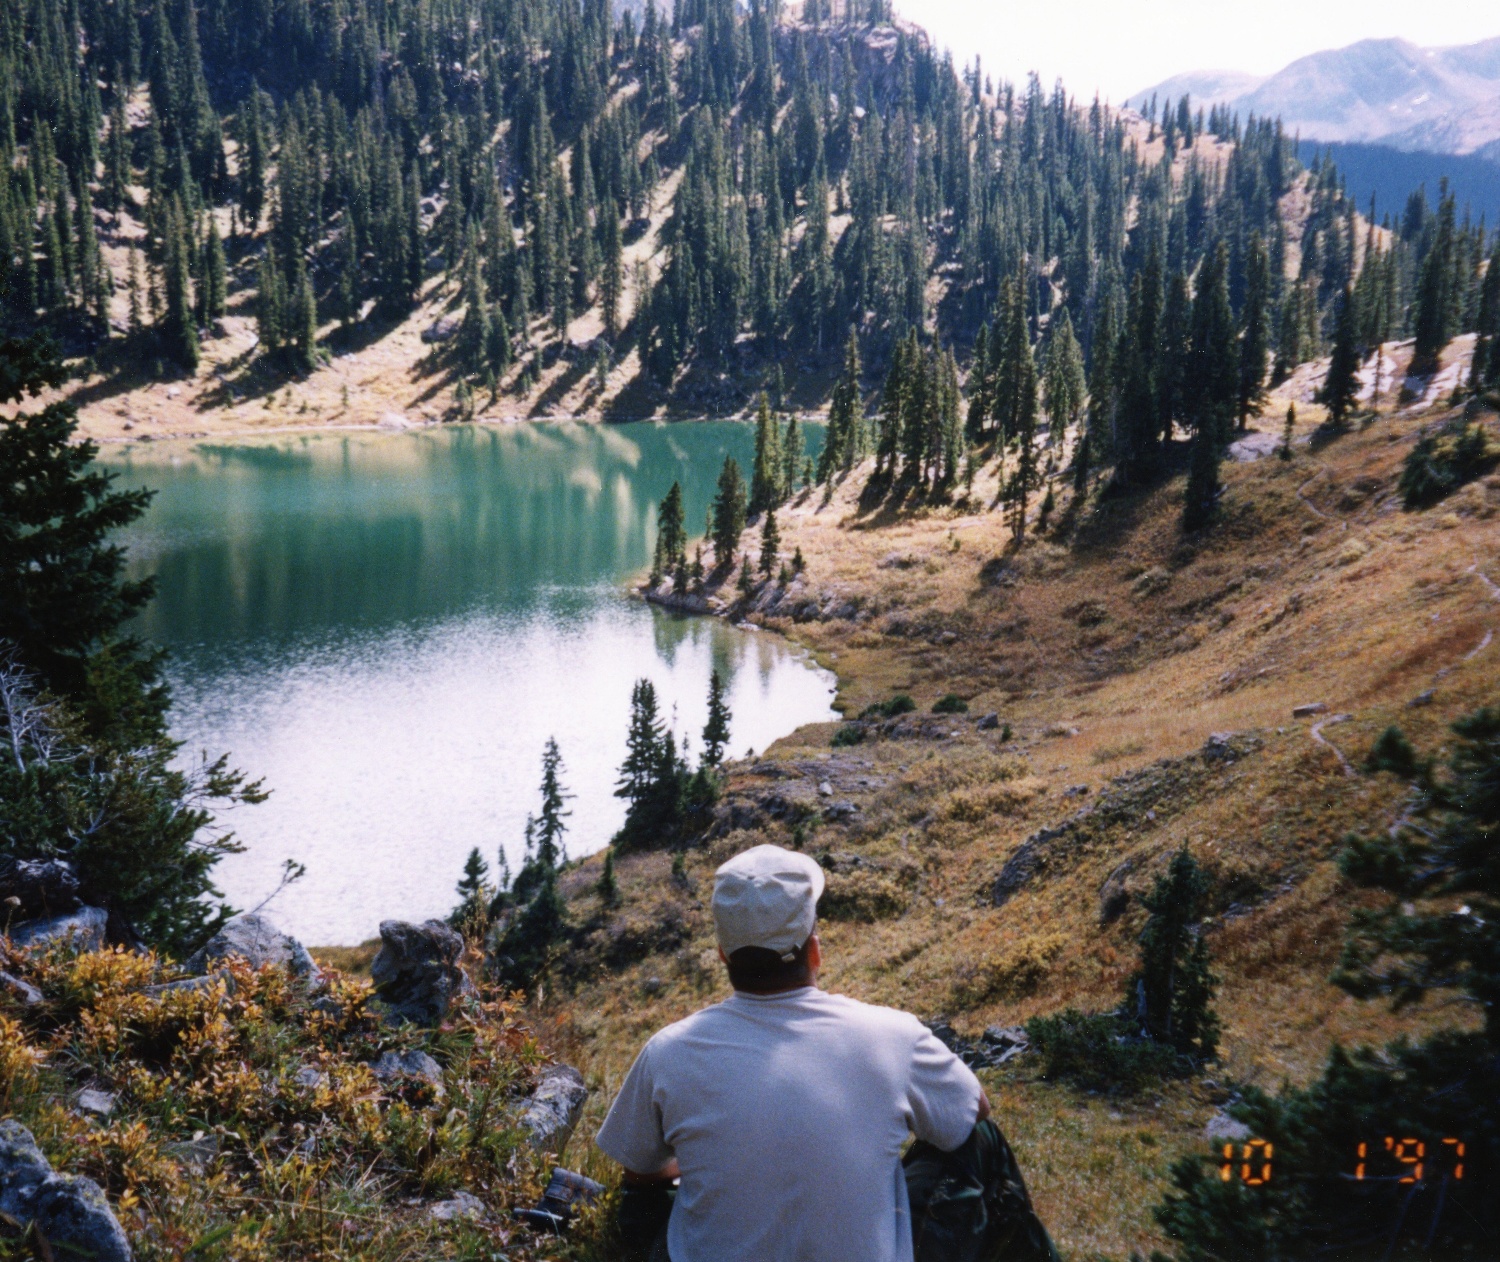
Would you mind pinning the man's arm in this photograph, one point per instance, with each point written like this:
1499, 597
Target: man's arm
984, 1106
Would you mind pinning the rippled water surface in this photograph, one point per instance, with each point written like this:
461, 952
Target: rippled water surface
387, 627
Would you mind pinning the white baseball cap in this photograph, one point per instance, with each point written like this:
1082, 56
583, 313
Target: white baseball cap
766, 897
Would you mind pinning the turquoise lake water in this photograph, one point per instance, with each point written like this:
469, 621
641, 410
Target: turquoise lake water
387, 627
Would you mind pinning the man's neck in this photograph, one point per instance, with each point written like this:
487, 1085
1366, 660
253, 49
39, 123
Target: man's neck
776, 990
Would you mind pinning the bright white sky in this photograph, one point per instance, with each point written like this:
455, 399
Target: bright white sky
1122, 48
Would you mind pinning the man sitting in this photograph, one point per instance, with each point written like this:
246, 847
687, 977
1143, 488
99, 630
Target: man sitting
782, 1113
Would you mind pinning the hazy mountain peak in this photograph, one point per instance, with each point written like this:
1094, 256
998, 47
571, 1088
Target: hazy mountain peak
1373, 89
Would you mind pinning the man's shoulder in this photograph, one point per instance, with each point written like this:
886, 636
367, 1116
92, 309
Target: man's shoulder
871, 1016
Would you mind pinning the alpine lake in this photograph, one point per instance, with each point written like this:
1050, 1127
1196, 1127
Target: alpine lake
387, 627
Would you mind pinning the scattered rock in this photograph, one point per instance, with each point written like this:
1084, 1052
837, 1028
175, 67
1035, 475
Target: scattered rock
989, 723
310, 1079
443, 328
69, 1213
825, 789
191, 983
1062, 729
98, 1103
554, 1109
416, 972
839, 811
1222, 1127
23, 991
463, 1205
42, 888
651, 986
1219, 747
997, 1045
394, 1066
258, 942
83, 928
1421, 699
1114, 897
1076, 791
394, 420
1308, 710
197, 1154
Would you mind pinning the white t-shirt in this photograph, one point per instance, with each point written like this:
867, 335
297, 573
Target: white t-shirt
787, 1114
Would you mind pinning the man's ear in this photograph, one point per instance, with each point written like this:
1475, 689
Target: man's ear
814, 953
723, 957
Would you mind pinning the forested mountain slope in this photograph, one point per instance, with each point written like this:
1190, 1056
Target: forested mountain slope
295, 213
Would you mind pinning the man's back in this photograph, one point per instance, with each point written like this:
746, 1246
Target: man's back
787, 1114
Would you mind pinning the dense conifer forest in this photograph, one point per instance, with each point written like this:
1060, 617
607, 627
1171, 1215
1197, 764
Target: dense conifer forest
817, 185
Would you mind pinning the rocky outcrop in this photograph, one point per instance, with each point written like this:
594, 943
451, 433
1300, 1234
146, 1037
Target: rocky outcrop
416, 971
996, 1046
256, 940
1135, 800
83, 928
554, 1109
69, 1213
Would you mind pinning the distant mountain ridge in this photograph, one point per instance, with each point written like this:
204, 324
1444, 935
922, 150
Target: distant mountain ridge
1386, 91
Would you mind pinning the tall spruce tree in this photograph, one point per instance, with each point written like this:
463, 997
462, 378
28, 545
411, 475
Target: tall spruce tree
716, 730
727, 515
1341, 387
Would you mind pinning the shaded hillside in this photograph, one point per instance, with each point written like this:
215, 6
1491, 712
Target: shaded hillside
506, 208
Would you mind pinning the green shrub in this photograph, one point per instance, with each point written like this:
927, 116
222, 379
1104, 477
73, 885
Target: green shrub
1440, 464
1394, 753
847, 734
899, 704
950, 703
1099, 1051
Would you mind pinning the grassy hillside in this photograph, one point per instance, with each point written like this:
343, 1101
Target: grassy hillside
1143, 683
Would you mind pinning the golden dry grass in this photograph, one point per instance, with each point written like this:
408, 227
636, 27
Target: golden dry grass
1315, 587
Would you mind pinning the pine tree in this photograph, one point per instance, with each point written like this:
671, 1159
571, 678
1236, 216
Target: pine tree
474, 895
253, 161
770, 543
671, 534
304, 323
1341, 387
472, 344
1170, 995
716, 730
612, 277
1024, 479
271, 314
728, 513
791, 457
1214, 363
179, 330
1201, 495
1285, 450
212, 292
1255, 332
1432, 321
608, 887
551, 823
1063, 382
765, 476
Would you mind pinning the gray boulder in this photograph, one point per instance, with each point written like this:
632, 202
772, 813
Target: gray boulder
416, 971
463, 1205
69, 1213
1223, 1127
22, 991
258, 942
554, 1109
394, 1066
83, 929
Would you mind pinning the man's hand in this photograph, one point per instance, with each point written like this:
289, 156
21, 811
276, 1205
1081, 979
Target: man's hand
669, 1173
984, 1108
